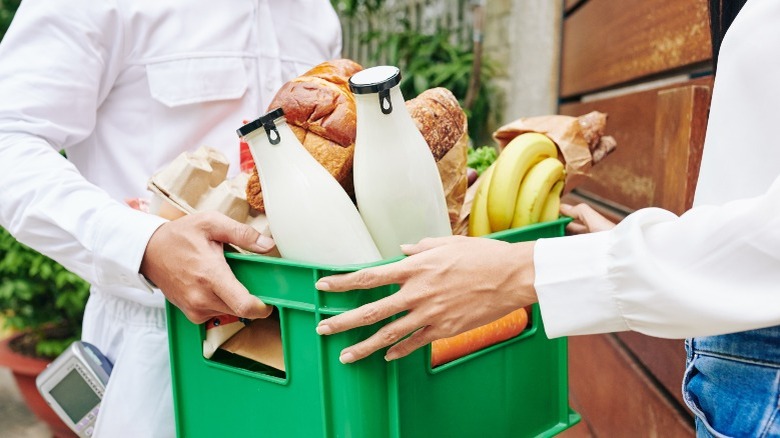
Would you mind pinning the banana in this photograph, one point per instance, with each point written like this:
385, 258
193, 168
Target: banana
522, 153
534, 190
552, 206
479, 225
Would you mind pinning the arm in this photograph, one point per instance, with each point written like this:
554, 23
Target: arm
442, 282
714, 270
58, 63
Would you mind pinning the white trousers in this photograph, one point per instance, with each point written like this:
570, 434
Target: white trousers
138, 401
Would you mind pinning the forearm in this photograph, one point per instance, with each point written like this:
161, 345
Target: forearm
714, 270
47, 205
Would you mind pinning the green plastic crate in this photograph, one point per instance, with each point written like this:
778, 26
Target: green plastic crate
518, 388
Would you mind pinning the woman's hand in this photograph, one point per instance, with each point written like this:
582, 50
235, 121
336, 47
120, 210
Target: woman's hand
586, 219
448, 285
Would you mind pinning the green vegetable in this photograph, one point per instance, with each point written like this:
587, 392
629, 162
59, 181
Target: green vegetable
481, 158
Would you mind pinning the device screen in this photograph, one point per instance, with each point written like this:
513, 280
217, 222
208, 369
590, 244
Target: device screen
75, 396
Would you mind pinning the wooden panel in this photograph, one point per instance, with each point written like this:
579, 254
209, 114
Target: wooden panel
664, 358
680, 124
608, 42
615, 397
627, 178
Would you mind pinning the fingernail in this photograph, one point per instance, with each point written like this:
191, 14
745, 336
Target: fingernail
406, 247
324, 329
391, 355
264, 243
322, 285
347, 358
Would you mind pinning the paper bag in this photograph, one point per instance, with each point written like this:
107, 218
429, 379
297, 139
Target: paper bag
576, 137
454, 179
260, 341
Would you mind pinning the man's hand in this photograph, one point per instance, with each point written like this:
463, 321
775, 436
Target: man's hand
185, 259
586, 219
448, 285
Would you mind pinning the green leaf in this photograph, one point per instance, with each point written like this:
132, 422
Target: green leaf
481, 158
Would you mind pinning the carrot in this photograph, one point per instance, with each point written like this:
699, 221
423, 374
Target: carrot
448, 349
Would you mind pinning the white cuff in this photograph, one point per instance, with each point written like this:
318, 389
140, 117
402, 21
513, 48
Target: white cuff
572, 283
120, 243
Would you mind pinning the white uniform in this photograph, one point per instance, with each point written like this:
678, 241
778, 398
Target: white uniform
124, 87
716, 269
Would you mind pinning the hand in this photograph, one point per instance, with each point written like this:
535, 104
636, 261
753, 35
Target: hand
185, 259
448, 285
586, 219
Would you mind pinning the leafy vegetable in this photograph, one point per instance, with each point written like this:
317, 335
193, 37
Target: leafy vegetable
481, 158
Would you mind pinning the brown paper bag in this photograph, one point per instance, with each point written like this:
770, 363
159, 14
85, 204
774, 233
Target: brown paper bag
260, 341
565, 132
452, 169
581, 141
461, 228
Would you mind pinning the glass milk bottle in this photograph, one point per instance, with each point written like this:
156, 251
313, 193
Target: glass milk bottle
397, 184
311, 217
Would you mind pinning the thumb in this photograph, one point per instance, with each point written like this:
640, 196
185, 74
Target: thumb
242, 303
223, 229
430, 243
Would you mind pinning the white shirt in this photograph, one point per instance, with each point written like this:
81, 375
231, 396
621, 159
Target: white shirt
715, 269
124, 87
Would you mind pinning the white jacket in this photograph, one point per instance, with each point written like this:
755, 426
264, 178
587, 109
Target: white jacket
716, 269
124, 87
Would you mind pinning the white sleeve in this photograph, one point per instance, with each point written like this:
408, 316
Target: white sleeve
714, 270
57, 63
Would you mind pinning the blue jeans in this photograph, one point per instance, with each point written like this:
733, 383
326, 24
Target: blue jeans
732, 383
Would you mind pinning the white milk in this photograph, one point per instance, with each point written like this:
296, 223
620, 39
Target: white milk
397, 184
310, 215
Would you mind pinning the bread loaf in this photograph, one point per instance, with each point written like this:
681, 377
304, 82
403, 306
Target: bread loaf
440, 119
320, 102
443, 124
320, 110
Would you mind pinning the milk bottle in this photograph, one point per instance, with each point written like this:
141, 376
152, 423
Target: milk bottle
397, 185
310, 215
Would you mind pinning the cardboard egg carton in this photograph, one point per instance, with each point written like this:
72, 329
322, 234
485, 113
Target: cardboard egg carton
197, 182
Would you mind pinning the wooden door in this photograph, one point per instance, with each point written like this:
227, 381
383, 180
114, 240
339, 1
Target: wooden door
647, 64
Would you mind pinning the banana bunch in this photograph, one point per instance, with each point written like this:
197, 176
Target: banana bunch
522, 187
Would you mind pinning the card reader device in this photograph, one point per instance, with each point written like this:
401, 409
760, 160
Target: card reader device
73, 385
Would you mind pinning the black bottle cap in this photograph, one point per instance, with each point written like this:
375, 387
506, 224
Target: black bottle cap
266, 119
375, 79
